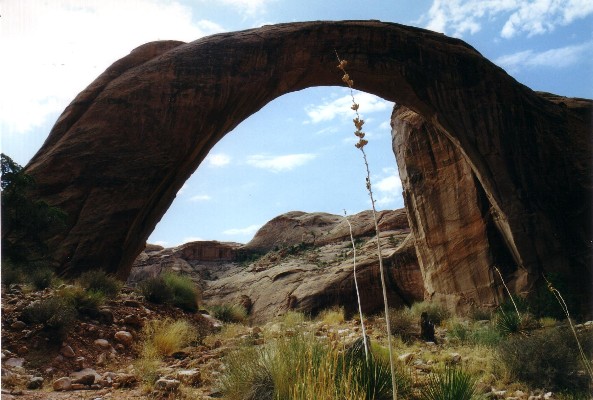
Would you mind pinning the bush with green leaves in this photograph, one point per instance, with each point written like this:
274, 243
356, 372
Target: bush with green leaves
56, 315
185, 291
26, 222
547, 359
42, 277
99, 281
450, 383
171, 288
85, 302
229, 312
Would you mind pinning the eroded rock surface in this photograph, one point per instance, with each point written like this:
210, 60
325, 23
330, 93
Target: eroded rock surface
123, 148
308, 271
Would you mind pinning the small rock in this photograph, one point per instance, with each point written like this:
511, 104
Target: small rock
455, 358
78, 386
125, 380
80, 362
86, 379
67, 352
124, 337
22, 350
190, 377
548, 396
101, 359
133, 320
64, 383
18, 325
132, 303
167, 385
102, 344
406, 358
106, 316
35, 383
14, 362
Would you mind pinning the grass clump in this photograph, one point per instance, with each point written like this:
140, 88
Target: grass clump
436, 312
156, 290
229, 312
85, 302
164, 337
56, 315
171, 288
301, 367
99, 281
451, 383
185, 291
42, 278
333, 316
474, 334
548, 358
403, 323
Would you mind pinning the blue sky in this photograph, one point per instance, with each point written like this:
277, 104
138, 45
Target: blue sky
298, 152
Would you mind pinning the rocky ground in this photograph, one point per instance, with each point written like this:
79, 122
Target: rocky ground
96, 360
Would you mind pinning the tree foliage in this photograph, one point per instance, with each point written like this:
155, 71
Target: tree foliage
26, 222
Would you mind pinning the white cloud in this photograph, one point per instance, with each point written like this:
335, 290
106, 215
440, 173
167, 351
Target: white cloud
52, 50
388, 188
249, 7
200, 197
459, 17
191, 239
250, 230
280, 163
555, 58
340, 107
218, 160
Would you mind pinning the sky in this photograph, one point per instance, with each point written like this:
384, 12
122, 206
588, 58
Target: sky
298, 152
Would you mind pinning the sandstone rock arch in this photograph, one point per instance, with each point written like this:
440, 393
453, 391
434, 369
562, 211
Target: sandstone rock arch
123, 148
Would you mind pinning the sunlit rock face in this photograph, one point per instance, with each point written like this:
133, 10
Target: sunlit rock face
462, 247
123, 148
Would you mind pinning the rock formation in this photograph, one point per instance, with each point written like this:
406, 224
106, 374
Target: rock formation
123, 148
308, 271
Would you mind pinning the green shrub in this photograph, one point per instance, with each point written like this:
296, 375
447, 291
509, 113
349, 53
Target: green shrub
404, 324
99, 281
373, 376
11, 274
467, 333
185, 291
508, 322
229, 312
436, 312
42, 278
55, 314
301, 367
26, 222
451, 383
156, 290
548, 358
85, 302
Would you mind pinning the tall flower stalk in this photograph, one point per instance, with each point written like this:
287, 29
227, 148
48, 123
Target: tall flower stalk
362, 142
364, 333
560, 299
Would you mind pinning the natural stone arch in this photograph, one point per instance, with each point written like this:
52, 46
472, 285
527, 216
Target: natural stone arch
124, 147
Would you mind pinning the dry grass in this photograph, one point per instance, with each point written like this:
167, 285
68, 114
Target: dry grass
166, 336
333, 316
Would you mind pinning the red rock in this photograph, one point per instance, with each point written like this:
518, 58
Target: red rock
123, 148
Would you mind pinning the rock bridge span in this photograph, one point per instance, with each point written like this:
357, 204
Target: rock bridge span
120, 152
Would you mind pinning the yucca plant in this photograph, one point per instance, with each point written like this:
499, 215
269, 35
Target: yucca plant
360, 144
451, 383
